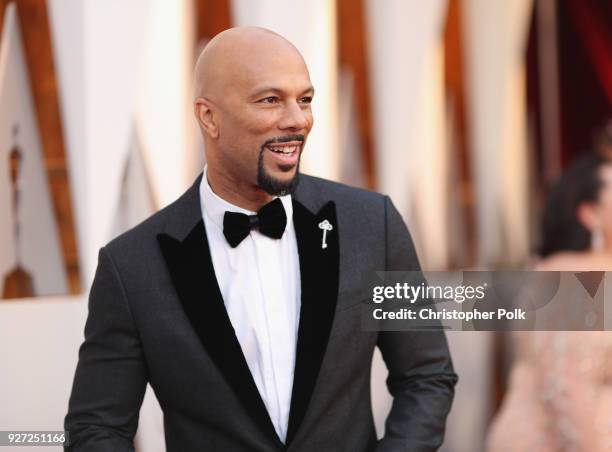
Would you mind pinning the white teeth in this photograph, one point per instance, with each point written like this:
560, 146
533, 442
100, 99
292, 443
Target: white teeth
284, 149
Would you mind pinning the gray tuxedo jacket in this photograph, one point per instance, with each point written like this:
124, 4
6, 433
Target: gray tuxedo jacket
156, 315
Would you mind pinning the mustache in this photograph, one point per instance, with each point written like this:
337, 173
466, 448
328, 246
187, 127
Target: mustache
285, 139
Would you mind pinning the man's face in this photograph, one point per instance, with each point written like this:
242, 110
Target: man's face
265, 119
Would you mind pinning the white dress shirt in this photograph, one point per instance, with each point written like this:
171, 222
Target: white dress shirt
260, 285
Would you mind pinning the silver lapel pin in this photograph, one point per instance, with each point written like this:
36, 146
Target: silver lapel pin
325, 226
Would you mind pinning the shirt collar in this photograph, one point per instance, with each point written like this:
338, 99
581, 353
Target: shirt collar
215, 207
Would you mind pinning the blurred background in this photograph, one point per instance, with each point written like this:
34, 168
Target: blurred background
463, 111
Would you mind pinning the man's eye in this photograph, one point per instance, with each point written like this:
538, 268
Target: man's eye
306, 100
269, 100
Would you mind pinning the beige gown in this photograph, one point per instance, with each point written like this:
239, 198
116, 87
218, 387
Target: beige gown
559, 397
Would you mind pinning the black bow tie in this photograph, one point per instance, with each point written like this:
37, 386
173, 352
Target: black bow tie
271, 220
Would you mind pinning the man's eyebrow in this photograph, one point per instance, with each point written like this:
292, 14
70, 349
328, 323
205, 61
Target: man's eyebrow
271, 89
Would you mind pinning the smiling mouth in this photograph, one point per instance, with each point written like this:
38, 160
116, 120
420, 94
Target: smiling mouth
284, 149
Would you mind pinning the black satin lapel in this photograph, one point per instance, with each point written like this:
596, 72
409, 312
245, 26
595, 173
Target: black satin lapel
319, 269
193, 276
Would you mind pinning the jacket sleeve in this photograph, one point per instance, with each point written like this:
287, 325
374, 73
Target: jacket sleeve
110, 377
421, 376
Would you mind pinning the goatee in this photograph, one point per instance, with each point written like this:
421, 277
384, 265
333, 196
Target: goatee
274, 186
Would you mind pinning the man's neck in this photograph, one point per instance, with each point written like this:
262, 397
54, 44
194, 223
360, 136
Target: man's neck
238, 193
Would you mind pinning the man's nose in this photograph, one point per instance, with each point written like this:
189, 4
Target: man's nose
294, 117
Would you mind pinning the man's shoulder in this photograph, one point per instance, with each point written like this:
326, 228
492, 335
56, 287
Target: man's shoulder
340, 192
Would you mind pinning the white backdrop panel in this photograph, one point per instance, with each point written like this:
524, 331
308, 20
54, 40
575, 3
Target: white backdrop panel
39, 246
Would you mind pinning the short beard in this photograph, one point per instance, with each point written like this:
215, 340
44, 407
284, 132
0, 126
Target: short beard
273, 186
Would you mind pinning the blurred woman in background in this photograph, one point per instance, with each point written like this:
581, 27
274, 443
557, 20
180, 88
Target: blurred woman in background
577, 226
559, 396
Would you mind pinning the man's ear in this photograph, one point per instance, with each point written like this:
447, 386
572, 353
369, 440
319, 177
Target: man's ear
204, 111
588, 215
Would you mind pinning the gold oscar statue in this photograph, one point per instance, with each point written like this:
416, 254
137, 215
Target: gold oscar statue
18, 282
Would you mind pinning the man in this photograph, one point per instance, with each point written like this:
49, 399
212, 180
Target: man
239, 302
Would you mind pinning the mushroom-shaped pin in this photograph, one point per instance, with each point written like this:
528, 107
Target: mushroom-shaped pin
325, 226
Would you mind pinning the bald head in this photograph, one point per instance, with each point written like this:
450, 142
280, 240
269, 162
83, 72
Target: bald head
237, 53
252, 103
